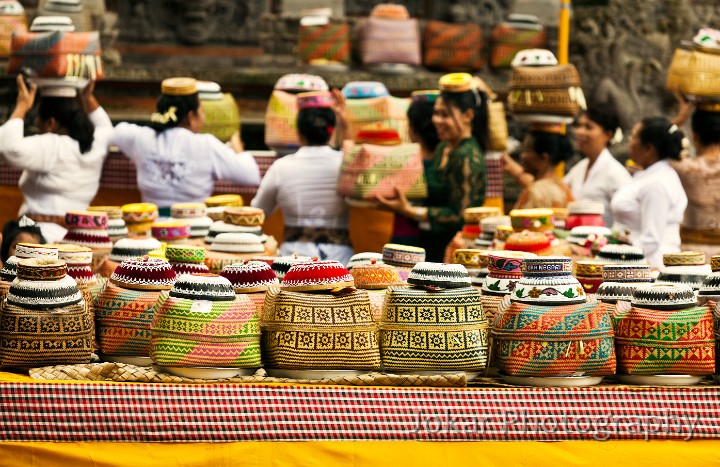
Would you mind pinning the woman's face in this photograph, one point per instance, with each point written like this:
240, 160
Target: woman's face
197, 119
534, 163
590, 138
451, 124
641, 155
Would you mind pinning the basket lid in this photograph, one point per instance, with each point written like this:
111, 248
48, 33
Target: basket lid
144, 274
210, 287
364, 258
664, 297
439, 276
127, 248
364, 90
317, 275
250, 276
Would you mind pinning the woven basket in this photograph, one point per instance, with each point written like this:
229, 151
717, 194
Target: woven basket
4, 288
453, 47
10, 24
387, 111
45, 337
305, 330
497, 127
324, 42
696, 73
222, 117
196, 333
545, 90
123, 319
426, 331
384, 40
544, 341
280, 120
370, 170
651, 342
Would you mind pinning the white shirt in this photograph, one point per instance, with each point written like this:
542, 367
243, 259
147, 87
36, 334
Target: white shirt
56, 176
179, 166
304, 186
606, 176
651, 206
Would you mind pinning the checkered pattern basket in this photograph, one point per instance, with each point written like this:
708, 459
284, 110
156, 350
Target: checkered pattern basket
316, 330
438, 330
533, 340
328, 41
651, 342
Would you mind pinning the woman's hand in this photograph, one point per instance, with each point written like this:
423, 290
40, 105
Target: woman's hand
685, 108
236, 143
25, 98
87, 98
399, 204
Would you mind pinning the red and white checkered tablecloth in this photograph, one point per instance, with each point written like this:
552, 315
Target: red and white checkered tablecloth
119, 174
232, 412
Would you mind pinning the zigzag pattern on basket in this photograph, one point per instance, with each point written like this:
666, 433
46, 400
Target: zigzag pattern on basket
39, 337
535, 340
183, 352
444, 330
665, 341
124, 318
329, 41
453, 46
319, 330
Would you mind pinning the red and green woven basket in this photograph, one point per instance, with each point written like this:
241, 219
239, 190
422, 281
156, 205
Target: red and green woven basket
548, 341
651, 342
328, 41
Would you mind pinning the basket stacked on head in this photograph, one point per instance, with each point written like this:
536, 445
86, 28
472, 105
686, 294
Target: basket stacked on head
139, 218
195, 215
685, 267
316, 321
252, 279
217, 204
116, 226
12, 20
127, 248
89, 229
475, 262
504, 272
437, 325
202, 323
696, 71
222, 114
547, 329
621, 280
369, 103
281, 113
376, 277
403, 257
472, 218
663, 332
377, 163
44, 319
542, 91
187, 259
124, 308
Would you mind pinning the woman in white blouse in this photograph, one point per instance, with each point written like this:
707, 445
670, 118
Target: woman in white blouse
61, 165
599, 175
176, 164
304, 186
652, 205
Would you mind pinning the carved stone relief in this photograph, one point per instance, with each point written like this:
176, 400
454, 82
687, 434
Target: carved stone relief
192, 22
623, 50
